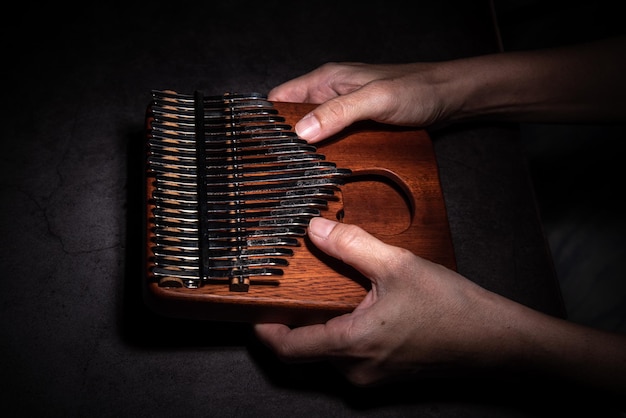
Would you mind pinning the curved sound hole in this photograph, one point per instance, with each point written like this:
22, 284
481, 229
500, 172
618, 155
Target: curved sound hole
376, 203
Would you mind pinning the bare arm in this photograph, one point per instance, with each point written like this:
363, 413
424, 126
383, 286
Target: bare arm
582, 83
421, 318
569, 84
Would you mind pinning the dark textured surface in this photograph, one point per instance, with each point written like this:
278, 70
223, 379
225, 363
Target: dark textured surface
575, 169
76, 339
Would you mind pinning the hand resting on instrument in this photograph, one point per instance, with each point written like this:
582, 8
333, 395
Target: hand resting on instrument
419, 317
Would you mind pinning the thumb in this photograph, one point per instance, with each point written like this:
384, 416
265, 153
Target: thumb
353, 246
332, 116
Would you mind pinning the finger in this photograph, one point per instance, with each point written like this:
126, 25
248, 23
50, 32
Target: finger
342, 111
316, 86
312, 87
354, 246
310, 343
292, 91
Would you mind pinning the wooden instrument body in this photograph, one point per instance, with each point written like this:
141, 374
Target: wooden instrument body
394, 193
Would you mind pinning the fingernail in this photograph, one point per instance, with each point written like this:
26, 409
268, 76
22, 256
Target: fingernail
308, 127
321, 227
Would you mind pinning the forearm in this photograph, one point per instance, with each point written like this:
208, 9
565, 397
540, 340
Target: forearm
549, 346
585, 83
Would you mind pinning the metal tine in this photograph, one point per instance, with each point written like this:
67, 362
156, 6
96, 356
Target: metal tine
232, 105
290, 184
171, 98
182, 115
255, 252
176, 251
233, 232
176, 194
251, 174
167, 167
250, 262
179, 110
260, 137
277, 232
282, 236
274, 241
185, 137
261, 151
162, 218
168, 131
185, 116
231, 204
175, 243
161, 166
247, 118
219, 141
237, 179
236, 241
225, 202
222, 264
252, 160
249, 156
182, 186
227, 243
176, 258
243, 198
231, 253
227, 229
168, 162
159, 141
160, 110
175, 156
186, 240
223, 148
190, 272
278, 168
211, 108
233, 227
236, 225
244, 272
172, 166
224, 121
264, 184
227, 274
177, 216
284, 198
222, 129
180, 229
169, 261
164, 196
214, 118
189, 98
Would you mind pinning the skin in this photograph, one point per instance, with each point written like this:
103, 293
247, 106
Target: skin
421, 318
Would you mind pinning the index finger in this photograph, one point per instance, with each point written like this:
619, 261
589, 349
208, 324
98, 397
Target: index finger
308, 343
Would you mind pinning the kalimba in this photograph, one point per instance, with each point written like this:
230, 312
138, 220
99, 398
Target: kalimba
230, 189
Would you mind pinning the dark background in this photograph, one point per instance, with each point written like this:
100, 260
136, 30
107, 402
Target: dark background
576, 169
76, 339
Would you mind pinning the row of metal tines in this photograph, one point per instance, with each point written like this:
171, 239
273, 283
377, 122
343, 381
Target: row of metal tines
234, 187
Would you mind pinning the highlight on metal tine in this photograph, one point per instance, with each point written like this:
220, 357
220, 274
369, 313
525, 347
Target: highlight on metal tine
233, 191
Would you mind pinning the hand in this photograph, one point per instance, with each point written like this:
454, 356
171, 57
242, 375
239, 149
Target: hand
519, 86
420, 317
417, 318
401, 94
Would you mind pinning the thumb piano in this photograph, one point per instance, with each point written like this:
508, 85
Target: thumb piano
230, 189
